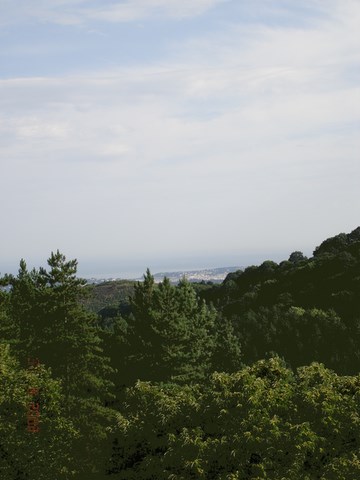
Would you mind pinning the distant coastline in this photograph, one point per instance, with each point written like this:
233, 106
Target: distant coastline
215, 275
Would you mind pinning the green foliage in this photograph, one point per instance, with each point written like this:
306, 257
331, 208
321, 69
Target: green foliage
258, 302
197, 412
297, 334
171, 332
227, 356
338, 243
53, 326
261, 422
297, 257
114, 294
33, 455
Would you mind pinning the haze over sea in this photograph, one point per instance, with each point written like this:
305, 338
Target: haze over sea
130, 269
127, 270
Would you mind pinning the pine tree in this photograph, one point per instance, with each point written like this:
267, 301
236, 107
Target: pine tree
56, 328
227, 352
171, 332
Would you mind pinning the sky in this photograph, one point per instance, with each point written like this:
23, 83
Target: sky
177, 133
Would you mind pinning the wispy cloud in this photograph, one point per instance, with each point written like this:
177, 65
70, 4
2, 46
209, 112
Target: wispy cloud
244, 130
72, 12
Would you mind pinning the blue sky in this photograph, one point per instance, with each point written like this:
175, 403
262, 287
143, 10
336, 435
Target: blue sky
177, 132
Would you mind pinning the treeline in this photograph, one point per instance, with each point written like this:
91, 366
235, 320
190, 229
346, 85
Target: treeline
305, 309
257, 378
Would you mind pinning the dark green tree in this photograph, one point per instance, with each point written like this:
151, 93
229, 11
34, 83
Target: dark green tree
171, 332
227, 356
54, 327
297, 257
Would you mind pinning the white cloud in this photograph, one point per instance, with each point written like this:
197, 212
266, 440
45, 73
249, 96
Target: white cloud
252, 130
140, 9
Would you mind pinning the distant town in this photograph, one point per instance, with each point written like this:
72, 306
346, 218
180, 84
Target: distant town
215, 275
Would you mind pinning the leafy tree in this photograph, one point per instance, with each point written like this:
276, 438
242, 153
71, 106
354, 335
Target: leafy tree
297, 257
8, 330
31, 455
264, 421
338, 243
299, 335
258, 302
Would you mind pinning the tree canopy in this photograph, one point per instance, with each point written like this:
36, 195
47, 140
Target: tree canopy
257, 378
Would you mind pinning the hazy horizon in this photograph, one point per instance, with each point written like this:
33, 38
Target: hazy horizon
124, 268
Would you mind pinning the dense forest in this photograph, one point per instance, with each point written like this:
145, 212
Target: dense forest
255, 378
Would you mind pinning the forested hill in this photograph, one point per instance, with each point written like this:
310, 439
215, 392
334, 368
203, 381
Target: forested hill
304, 308
109, 298
329, 279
